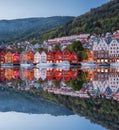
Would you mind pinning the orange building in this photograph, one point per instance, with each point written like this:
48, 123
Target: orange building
30, 56
2, 57
58, 56
8, 74
8, 57
30, 74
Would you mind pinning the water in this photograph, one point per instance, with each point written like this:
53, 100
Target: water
59, 98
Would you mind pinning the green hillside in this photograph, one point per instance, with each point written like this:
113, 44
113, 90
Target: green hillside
97, 20
23, 29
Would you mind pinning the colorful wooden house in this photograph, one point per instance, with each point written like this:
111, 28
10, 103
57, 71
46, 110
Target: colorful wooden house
66, 55
74, 74
43, 57
50, 57
2, 57
74, 57
8, 74
30, 56
30, 74
2, 74
8, 57
58, 74
66, 75
37, 57
16, 72
23, 57
16, 58
50, 74
37, 73
58, 57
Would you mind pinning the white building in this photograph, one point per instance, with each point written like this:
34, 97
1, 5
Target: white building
43, 57
37, 57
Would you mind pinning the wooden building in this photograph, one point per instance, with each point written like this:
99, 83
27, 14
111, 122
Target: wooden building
8, 57
58, 57
2, 57
50, 57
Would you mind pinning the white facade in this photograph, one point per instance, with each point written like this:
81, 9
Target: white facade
100, 44
114, 48
43, 57
37, 57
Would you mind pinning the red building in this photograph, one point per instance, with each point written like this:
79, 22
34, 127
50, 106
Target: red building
66, 75
66, 55
16, 73
2, 74
50, 57
58, 56
58, 74
74, 74
16, 58
50, 74
74, 57
2, 57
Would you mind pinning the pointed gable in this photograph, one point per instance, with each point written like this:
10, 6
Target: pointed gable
66, 55
37, 57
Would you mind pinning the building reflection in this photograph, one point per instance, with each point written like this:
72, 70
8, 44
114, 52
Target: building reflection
96, 83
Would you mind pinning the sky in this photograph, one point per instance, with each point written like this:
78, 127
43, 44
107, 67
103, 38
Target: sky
14, 9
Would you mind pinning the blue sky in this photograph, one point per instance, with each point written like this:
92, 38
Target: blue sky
13, 9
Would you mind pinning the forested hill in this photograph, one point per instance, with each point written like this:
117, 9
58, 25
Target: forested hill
21, 29
97, 20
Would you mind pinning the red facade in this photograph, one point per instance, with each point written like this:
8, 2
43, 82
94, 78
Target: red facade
2, 57
58, 56
50, 56
2, 74
66, 55
16, 73
58, 74
74, 57
50, 74
16, 58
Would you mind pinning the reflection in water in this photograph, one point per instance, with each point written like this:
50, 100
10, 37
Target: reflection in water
92, 93
99, 82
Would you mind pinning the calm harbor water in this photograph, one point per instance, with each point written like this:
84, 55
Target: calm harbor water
59, 98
